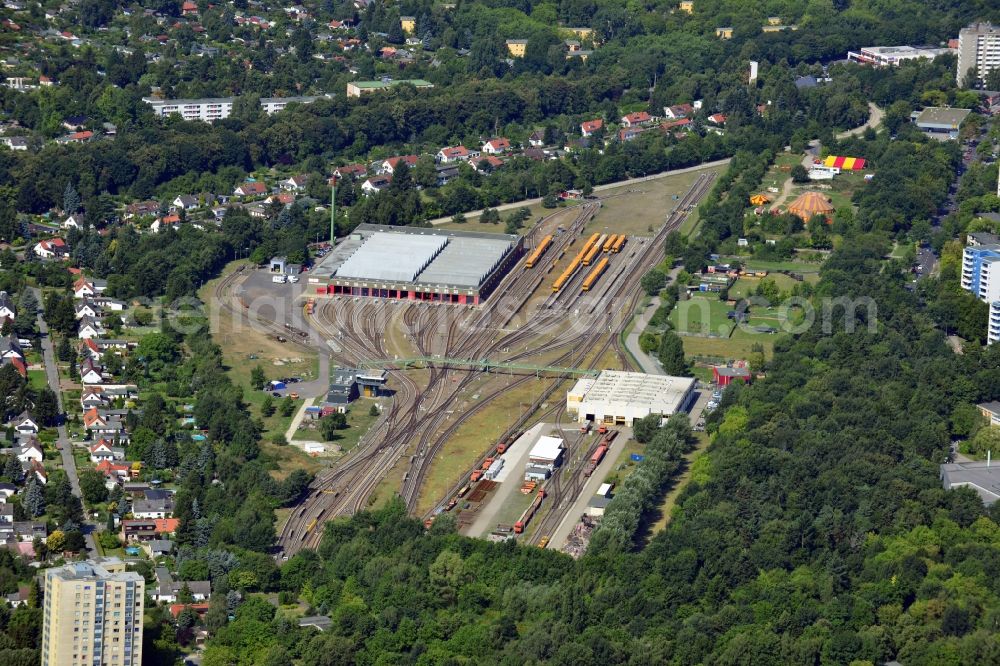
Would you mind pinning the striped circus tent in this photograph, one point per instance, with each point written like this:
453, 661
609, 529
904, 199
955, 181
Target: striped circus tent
809, 204
845, 163
758, 200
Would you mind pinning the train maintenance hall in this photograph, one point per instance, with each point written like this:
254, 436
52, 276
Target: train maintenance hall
417, 264
618, 398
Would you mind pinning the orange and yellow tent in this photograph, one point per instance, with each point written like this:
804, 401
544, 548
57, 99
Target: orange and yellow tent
758, 200
809, 204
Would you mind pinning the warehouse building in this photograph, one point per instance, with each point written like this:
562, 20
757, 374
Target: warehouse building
417, 264
619, 398
940, 122
546, 453
982, 477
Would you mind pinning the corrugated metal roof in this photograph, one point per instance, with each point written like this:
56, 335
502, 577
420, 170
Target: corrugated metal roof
465, 262
392, 257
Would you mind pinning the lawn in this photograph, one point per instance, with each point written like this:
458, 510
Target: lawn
36, 379
702, 315
641, 208
745, 287
774, 266
359, 420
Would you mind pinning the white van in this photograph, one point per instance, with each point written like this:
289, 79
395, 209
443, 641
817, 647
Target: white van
293, 278
278, 279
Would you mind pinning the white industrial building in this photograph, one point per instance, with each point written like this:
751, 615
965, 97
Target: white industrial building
546, 452
619, 398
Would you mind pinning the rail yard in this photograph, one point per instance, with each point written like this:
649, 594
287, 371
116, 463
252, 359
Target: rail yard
557, 314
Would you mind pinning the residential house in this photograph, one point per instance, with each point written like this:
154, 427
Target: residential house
101, 452
158, 548
350, 171
294, 184
375, 184
675, 124
89, 328
93, 397
91, 372
86, 288
150, 509
185, 202
165, 222
115, 345
446, 173
629, 133
55, 248
189, 8
452, 154
724, 33
636, 119
74, 221
75, 123
138, 530
6, 519
591, 127
678, 111
26, 531
107, 424
32, 451
7, 309
168, 589
115, 474
487, 164
254, 189
87, 309
717, 119
89, 349
141, 209
496, 146
10, 348
388, 166
18, 365
106, 303
25, 424
7, 490
537, 139
35, 468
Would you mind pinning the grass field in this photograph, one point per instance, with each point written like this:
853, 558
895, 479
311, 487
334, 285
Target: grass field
36, 379
702, 315
359, 420
641, 208
745, 287
793, 266
738, 346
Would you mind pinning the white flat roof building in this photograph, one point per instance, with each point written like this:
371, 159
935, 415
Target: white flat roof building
546, 451
619, 398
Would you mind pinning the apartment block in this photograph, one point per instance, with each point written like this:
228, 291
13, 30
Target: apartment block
978, 50
993, 328
210, 109
93, 615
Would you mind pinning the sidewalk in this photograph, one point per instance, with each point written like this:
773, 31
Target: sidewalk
63, 442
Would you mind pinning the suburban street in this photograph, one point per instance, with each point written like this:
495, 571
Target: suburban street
63, 441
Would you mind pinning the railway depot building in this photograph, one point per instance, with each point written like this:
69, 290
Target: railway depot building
417, 264
619, 398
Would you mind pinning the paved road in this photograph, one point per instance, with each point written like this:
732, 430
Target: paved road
599, 188
646, 362
63, 441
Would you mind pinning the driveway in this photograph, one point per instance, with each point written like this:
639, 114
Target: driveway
63, 441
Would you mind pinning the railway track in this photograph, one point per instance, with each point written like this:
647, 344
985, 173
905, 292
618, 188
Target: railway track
345, 488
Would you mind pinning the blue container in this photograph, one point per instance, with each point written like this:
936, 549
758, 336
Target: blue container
638, 457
